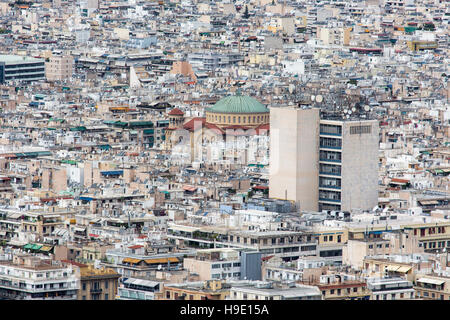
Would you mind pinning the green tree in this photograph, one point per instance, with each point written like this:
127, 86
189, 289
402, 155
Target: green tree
246, 15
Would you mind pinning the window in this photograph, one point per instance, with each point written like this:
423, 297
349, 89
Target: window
84, 286
330, 143
84, 297
106, 296
360, 129
106, 284
330, 129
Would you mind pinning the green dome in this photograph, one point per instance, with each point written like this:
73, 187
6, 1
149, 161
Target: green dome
238, 104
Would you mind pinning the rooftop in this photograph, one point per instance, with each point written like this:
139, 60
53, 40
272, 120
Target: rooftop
14, 59
238, 104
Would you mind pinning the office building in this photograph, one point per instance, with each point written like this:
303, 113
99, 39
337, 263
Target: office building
21, 68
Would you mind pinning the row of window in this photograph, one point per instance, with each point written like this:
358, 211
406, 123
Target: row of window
330, 169
329, 195
330, 156
330, 143
394, 296
340, 291
12, 72
360, 129
238, 119
225, 265
379, 246
36, 64
330, 129
434, 245
326, 182
432, 230
331, 238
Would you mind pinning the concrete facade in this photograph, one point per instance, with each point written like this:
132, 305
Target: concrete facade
294, 156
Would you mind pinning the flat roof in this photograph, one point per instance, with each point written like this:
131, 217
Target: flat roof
14, 59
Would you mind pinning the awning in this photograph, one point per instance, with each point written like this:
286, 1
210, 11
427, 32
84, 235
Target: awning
141, 282
36, 246
131, 260
28, 246
189, 188
431, 281
428, 202
162, 260
392, 268
404, 269
46, 248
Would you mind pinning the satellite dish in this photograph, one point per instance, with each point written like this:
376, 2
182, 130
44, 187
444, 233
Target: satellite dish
319, 98
349, 111
366, 108
345, 110
353, 109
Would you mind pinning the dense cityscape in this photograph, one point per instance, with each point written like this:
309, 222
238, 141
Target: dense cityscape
224, 150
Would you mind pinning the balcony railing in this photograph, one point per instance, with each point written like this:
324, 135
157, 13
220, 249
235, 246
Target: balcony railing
332, 200
96, 290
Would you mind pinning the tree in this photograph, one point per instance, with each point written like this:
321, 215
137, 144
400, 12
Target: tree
246, 15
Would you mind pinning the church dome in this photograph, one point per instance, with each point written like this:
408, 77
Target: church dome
238, 104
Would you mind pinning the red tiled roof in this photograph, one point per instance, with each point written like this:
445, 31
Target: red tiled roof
399, 180
190, 124
264, 128
137, 246
261, 187
176, 112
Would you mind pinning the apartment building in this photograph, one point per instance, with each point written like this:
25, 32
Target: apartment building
289, 245
341, 287
199, 290
59, 68
32, 278
261, 290
98, 284
432, 287
322, 166
225, 263
137, 289
390, 289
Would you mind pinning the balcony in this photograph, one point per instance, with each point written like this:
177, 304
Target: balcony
330, 160
96, 290
330, 173
329, 200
